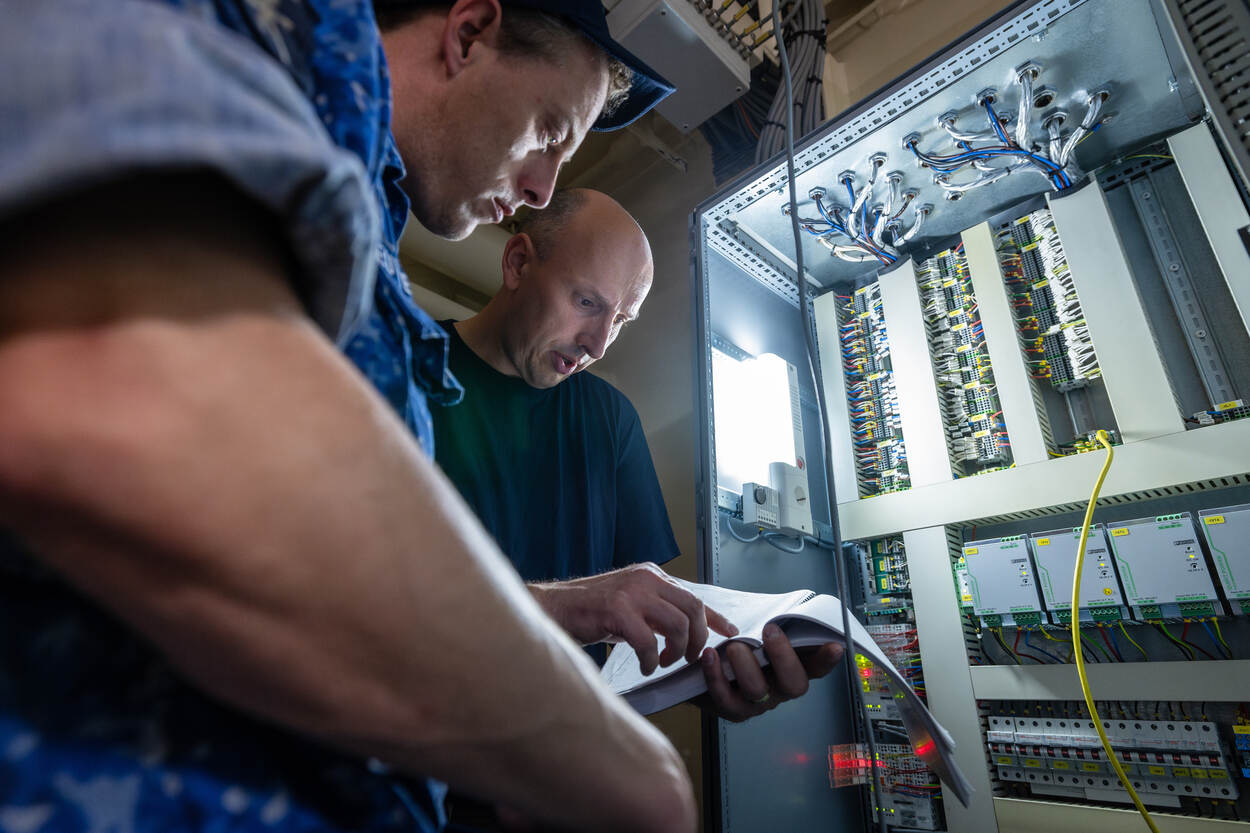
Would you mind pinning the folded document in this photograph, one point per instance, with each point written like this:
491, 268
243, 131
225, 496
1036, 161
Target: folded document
807, 618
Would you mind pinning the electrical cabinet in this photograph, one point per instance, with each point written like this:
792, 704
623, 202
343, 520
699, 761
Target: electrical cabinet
1038, 236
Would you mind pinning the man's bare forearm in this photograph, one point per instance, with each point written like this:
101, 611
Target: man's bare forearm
209, 468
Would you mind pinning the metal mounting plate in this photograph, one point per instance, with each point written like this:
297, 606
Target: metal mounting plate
1081, 46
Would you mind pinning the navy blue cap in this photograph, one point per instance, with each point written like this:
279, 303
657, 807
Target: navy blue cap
649, 88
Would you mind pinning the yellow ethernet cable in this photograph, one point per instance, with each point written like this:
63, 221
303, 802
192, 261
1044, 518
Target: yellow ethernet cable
1076, 634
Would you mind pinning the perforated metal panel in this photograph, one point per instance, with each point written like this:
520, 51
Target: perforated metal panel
1216, 38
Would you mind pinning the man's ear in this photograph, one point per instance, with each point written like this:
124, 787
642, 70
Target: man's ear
469, 23
518, 254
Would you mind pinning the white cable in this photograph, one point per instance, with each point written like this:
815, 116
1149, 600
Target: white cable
854, 254
772, 536
729, 524
1025, 80
1056, 138
878, 228
921, 213
962, 136
1092, 112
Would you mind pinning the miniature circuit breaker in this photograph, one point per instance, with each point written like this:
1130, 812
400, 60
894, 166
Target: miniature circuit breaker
1163, 568
1000, 577
1054, 555
1228, 537
962, 588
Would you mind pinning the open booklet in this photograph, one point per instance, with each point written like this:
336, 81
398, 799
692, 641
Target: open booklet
806, 618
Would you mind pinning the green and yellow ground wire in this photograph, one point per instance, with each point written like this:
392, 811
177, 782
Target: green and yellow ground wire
1076, 635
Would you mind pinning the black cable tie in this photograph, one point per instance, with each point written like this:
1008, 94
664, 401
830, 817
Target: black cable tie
774, 123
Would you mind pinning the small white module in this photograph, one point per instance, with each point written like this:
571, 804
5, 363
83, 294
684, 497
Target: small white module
1228, 537
1162, 567
1054, 555
1000, 576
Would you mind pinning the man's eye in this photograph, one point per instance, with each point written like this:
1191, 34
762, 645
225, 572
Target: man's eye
586, 302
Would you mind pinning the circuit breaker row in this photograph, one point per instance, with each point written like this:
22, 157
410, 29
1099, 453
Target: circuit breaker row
1165, 760
1149, 569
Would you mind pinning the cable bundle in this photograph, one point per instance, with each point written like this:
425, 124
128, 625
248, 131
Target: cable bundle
1049, 156
804, 31
858, 231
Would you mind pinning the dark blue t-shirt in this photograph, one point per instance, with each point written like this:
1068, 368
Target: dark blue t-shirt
561, 477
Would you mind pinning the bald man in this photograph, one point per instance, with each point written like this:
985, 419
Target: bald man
555, 463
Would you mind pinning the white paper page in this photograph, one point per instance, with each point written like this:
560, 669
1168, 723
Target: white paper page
810, 620
749, 611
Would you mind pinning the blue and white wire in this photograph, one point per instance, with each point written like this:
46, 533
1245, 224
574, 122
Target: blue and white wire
995, 124
850, 231
1025, 79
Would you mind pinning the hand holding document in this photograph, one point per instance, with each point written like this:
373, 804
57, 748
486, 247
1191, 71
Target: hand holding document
807, 618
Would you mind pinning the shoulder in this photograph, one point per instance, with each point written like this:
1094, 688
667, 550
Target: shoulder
619, 416
111, 89
592, 388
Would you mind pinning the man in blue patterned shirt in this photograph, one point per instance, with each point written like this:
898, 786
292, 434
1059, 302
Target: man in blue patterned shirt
219, 607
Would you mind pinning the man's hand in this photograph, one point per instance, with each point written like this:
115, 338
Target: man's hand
756, 690
632, 605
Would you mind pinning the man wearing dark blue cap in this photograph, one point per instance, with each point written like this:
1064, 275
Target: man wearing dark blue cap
220, 605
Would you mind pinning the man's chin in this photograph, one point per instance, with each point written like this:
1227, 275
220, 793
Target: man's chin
544, 380
452, 230
450, 226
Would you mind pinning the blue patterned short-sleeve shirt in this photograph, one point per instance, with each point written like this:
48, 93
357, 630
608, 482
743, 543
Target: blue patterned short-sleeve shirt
289, 100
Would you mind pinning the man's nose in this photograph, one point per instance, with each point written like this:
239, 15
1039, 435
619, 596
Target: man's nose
595, 341
537, 180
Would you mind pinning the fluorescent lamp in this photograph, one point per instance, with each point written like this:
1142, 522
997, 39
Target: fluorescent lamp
754, 422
